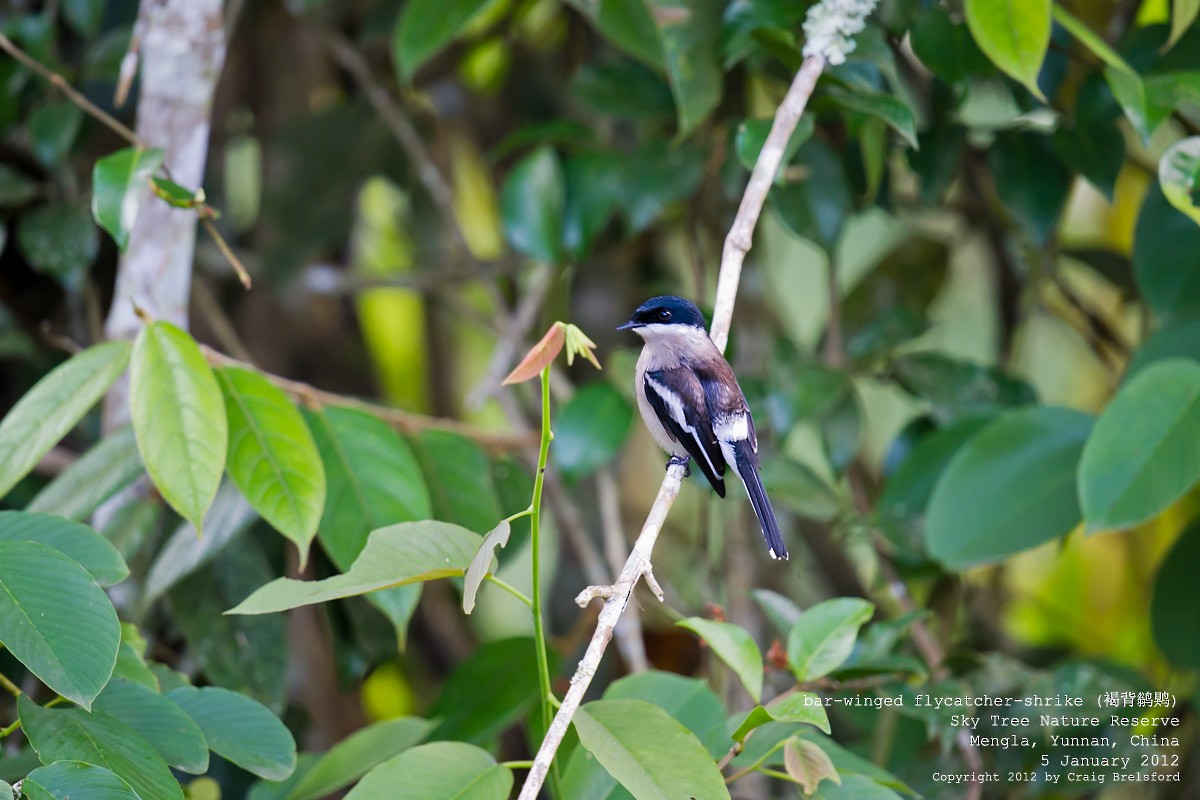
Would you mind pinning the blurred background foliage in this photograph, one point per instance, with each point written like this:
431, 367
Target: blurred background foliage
950, 271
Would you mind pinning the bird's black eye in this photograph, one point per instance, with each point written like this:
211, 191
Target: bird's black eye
664, 314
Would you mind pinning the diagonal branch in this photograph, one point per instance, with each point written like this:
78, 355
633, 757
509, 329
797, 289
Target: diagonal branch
638, 565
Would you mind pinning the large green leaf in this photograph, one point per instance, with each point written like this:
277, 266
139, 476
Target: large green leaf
821, 640
1175, 604
733, 645
805, 707
75, 735
531, 204
119, 183
688, 701
272, 456
590, 429
425, 27
52, 407
1166, 246
165, 725
1142, 454
357, 754
437, 771
688, 31
648, 752
398, 554
59, 240
68, 780
1014, 34
55, 620
107, 468
73, 539
179, 418
240, 729
1009, 488
459, 477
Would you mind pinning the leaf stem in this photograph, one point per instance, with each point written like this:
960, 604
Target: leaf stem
753, 767
539, 629
9, 686
517, 764
9, 729
508, 587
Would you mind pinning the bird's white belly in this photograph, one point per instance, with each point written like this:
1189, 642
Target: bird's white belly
665, 440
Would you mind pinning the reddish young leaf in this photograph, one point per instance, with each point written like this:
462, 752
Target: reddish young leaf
539, 356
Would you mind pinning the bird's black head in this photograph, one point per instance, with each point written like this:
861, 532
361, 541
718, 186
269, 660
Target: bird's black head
665, 310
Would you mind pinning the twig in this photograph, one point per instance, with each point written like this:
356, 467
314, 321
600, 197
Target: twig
638, 565
630, 643
405, 421
72, 94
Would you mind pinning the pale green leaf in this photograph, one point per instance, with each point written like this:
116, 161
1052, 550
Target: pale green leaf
1014, 34
482, 561
733, 645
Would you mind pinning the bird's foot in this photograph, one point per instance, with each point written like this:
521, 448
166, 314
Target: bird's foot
680, 461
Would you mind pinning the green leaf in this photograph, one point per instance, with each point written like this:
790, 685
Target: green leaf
74, 540
531, 205
459, 477
1014, 34
119, 186
1030, 180
1183, 14
16, 189
508, 668
60, 241
781, 611
648, 752
67, 780
824, 636
591, 180
733, 645
166, 726
75, 735
131, 661
53, 127
1175, 604
1096, 150
945, 45
437, 771
1089, 39
56, 621
590, 429
272, 456
1141, 456
51, 408
241, 730
1180, 338
807, 764
627, 24
425, 27
1177, 172
1166, 245
893, 111
482, 563
688, 701
816, 207
959, 389
107, 468
804, 707
179, 418
688, 31
752, 135
398, 554
357, 754
654, 177
1011, 487
623, 88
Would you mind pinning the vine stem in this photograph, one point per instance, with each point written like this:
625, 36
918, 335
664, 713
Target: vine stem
638, 565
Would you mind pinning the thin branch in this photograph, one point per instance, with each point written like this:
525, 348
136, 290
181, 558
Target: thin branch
630, 643
638, 565
405, 421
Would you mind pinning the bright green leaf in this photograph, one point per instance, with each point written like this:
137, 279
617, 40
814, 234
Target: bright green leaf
688, 701
733, 645
357, 754
1141, 456
75, 540
109, 466
240, 729
398, 554
1014, 34
531, 205
1009, 488
68, 780
824, 636
780, 610
272, 456
425, 27
166, 726
56, 621
179, 418
52, 407
648, 752
118, 188
437, 771
75, 735
804, 707
689, 31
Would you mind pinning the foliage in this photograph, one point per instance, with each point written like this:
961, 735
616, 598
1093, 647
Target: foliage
968, 332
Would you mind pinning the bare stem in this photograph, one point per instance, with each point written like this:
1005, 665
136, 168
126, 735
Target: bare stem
638, 565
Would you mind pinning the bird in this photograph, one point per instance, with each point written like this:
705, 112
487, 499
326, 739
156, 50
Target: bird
692, 404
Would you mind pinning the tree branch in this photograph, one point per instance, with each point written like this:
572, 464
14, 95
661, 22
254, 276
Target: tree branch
638, 565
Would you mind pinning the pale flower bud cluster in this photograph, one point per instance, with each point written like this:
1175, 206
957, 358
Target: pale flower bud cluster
831, 25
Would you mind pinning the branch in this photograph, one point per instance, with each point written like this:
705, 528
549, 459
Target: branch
638, 565
404, 421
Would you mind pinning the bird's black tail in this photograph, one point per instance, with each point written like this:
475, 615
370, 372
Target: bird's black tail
746, 464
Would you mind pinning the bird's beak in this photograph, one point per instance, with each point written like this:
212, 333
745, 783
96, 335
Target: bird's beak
628, 326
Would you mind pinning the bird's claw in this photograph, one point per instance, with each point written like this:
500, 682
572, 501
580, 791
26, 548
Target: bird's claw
680, 461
